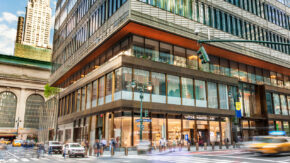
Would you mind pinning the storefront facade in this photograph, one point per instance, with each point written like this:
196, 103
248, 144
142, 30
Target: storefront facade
190, 101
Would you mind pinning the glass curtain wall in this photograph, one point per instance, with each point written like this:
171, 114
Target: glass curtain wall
94, 93
109, 89
123, 128
233, 97
158, 128
200, 93
173, 90
187, 92
83, 99
101, 91
212, 95
159, 87
174, 128
223, 96
276, 102
142, 78
89, 96
78, 100
284, 105
269, 102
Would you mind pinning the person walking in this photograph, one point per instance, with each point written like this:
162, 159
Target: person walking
64, 151
97, 147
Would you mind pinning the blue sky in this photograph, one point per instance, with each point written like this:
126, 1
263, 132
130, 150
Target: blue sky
9, 11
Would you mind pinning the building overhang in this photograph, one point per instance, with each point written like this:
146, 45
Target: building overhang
158, 34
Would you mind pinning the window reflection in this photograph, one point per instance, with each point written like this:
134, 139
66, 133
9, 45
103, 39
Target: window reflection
200, 93
187, 92
173, 90
212, 95
159, 87
101, 91
223, 96
276, 101
142, 78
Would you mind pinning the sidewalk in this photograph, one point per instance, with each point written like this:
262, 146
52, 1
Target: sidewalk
183, 149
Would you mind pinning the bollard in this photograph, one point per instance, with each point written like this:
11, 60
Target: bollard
112, 151
212, 146
188, 147
234, 145
205, 146
126, 151
220, 145
197, 146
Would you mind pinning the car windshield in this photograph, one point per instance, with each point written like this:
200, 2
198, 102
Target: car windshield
17, 141
75, 145
270, 140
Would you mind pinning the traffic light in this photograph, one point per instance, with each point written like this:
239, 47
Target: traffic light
203, 55
146, 113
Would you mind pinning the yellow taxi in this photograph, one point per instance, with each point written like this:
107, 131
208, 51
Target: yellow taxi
5, 142
16, 143
270, 144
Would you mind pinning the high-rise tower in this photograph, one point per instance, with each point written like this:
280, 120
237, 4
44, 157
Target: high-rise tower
37, 23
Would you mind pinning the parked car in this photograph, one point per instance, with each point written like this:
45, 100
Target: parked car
53, 147
74, 149
16, 143
28, 143
143, 147
270, 145
5, 142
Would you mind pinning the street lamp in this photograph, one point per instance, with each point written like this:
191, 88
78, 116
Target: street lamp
17, 121
146, 86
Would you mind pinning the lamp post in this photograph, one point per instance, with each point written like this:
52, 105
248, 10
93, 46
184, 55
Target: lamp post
141, 89
17, 121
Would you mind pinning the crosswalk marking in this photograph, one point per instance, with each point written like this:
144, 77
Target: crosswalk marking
24, 159
12, 160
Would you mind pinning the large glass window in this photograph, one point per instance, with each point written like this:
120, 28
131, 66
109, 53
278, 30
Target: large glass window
284, 105
118, 84
101, 91
233, 97
212, 95
224, 67
109, 85
152, 49
214, 65
174, 127
179, 56
83, 98
78, 100
259, 76
165, 55
159, 87
266, 75
247, 99
273, 77
158, 128
234, 69
243, 72
200, 93
276, 101
123, 128
187, 92
126, 83
94, 93
192, 59
173, 90
269, 103
34, 104
142, 78
89, 93
251, 74
138, 46
223, 96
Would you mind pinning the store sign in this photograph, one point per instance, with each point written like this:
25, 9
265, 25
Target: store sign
277, 133
238, 110
189, 117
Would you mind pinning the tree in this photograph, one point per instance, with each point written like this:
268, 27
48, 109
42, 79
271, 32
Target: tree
50, 91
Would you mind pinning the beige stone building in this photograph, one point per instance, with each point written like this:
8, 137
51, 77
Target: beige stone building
22, 83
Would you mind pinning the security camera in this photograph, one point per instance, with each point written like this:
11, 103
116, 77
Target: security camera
196, 31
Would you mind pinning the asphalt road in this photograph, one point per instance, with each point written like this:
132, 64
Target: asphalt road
19, 154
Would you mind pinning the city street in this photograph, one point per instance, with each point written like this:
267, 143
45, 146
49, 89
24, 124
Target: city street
19, 154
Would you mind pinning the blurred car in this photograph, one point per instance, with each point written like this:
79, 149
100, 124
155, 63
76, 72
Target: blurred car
5, 142
28, 143
3, 146
74, 149
270, 145
16, 143
143, 147
53, 147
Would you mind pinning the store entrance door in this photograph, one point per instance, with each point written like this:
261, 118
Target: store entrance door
202, 136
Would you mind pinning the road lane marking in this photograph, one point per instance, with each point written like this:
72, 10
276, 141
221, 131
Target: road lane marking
245, 158
24, 159
12, 160
13, 155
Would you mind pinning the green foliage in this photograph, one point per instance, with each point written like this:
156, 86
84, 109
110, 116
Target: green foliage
50, 91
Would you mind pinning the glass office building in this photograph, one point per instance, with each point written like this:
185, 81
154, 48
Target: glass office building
100, 47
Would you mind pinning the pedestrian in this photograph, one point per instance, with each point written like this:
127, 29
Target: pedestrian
64, 151
86, 147
97, 147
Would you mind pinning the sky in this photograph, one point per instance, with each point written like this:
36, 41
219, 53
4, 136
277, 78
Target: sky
9, 12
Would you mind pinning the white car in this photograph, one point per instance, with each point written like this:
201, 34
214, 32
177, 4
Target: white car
53, 147
74, 149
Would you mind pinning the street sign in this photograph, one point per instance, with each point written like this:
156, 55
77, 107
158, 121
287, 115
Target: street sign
238, 109
141, 126
144, 120
277, 133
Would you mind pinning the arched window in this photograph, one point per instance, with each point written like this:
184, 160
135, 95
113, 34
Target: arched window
8, 104
34, 104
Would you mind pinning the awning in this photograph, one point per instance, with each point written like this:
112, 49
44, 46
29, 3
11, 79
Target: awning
7, 135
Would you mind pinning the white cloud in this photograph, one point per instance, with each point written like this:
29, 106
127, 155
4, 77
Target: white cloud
8, 17
54, 2
19, 13
7, 39
52, 22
